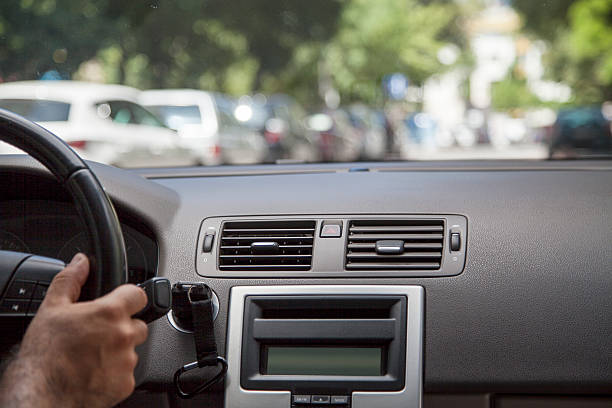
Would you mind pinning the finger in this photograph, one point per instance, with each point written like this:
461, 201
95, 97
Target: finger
66, 285
141, 331
130, 298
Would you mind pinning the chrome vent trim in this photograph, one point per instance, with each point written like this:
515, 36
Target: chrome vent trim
423, 244
266, 245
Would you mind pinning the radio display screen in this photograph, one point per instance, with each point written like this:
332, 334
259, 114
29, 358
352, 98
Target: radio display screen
341, 361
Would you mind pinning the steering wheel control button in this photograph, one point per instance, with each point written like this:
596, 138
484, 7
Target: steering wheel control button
339, 400
331, 229
34, 307
209, 240
301, 399
14, 307
455, 241
40, 291
21, 290
320, 399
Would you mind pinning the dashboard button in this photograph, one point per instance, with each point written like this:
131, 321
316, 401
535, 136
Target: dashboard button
14, 306
21, 290
41, 291
331, 229
320, 400
209, 239
339, 399
301, 399
455, 241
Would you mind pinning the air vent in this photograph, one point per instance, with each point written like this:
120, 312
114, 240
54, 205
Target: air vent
395, 244
266, 245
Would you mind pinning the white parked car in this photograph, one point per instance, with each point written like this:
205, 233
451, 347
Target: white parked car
211, 132
103, 123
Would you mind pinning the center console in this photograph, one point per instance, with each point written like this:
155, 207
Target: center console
356, 346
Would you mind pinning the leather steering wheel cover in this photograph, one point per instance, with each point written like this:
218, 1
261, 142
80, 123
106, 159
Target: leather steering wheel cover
108, 261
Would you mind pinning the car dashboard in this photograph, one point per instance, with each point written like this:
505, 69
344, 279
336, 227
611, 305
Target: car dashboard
504, 268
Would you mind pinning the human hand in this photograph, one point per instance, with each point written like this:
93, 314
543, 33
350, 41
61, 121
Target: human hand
77, 354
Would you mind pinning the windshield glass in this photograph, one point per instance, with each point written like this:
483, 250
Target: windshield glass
271, 81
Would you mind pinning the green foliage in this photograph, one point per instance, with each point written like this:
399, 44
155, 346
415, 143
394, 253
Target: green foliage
580, 36
293, 46
37, 36
591, 39
385, 36
544, 18
512, 93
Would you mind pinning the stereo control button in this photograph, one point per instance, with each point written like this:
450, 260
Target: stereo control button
34, 307
320, 400
41, 291
339, 399
301, 399
21, 290
14, 307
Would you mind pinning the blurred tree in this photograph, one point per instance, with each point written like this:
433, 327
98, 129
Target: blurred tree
378, 38
44, 35
512, 93
590, 46
544, 18
236, 46
580, 36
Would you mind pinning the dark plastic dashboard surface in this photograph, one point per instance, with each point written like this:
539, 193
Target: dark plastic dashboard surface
531, 311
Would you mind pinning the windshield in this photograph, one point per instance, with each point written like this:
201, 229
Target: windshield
278, 81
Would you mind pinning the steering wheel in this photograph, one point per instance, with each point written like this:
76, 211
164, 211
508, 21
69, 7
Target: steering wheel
108, 260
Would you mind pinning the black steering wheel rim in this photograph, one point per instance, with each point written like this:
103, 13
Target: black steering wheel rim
108, 264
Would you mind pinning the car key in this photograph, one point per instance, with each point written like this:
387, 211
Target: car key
159, 299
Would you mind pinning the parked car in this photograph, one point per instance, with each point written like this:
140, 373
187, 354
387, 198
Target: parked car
580, 131
193, 115
371, 124
338, 138
280, 119
103, 123
206, 125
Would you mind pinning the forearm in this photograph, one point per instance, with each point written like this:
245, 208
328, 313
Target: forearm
23, 384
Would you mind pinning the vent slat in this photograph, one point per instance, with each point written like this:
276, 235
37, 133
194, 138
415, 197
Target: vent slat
229, 247
262, 256
375, 237
293, 252
395, 265
425, 245
388, 228
267, 267
268, 230
404, 255
422, 249
266, 238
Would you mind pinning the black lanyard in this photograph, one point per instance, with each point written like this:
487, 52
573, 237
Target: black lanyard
197, 298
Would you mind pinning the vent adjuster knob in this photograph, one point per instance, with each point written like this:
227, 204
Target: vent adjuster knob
265, 247
390, 247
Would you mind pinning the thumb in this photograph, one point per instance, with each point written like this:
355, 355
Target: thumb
66, 286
